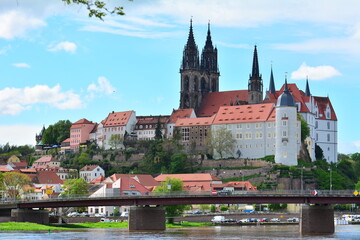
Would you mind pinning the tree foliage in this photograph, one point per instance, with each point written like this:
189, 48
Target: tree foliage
75, 187
220, 141
176, 185
115, 141
97, 8
14, 182
305, 130
158, 132
57, 133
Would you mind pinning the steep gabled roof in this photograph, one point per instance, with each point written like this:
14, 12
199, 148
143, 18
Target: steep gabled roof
80, 122
322, 103
214, 100
89, 167
244, 113
115, 119
144, 179
47, 159
47, 177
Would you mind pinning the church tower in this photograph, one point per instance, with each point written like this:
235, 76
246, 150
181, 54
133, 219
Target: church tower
198, 78
255, 86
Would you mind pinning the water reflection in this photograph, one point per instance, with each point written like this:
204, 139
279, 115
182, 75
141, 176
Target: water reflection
273, 232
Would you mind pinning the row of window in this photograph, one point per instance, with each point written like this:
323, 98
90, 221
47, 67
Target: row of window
328, 137
113, 129
317, 125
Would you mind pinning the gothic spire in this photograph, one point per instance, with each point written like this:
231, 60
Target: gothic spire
191, 52
208, 44
272, 83
255, 66
307, 91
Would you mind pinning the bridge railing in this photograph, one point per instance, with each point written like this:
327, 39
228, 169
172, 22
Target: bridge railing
295, 193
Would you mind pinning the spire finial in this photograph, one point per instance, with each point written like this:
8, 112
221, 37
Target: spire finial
272, 82
307, 90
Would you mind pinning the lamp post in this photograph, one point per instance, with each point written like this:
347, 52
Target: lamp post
330, 179
302, 178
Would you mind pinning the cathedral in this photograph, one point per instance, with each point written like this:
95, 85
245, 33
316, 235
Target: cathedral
270, 120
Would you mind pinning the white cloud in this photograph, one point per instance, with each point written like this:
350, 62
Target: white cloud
18, 134
63, 46
103, 86
17, 24
314, 73
15, 100
21, 65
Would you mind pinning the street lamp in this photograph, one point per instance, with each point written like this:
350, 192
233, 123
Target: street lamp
302, 178
330, 179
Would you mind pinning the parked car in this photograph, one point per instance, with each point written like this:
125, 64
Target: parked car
99, 215
264, 220
230, 220
106, 220
74, 214
85, 214
224, 192
244, 220
275, 220
293, 219
218, 219
124, 214
197, 212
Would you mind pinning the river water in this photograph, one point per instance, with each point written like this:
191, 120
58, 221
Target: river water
273, 232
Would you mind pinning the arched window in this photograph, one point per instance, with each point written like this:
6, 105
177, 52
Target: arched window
203, 85
213, 85
186, 83
196, 84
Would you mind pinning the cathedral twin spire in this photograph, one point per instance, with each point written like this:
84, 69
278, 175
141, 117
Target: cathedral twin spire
191, 54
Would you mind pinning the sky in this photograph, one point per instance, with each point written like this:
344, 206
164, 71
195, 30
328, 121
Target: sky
56, 63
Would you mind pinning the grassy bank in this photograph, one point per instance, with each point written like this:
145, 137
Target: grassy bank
26, 226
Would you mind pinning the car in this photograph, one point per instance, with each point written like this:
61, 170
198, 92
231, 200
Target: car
99, 215
74, 214
85, 214
244, 220
106, 220
293, 219
218, 219
264, 220
117, 214
124, 214
224, 192
197, 212
230, 220
275, 220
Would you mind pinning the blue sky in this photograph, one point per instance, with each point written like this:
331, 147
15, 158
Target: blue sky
56, 63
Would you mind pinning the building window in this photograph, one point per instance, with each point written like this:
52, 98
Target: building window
185, 134
284, 122
328, 125
316, 124
285, 154
328, 137
248, 126
284, 133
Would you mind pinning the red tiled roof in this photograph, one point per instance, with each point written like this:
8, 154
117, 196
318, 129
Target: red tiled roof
117, 119
180, 113
322, 103
151, 119
47, 159
187, 177
89, 167
144, 179
99, 179
47, 177
66, 140
81, 122
186, 122
130, 184
245, 185
244, 113
213, 101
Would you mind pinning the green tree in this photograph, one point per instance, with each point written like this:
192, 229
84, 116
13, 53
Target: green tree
319, 153
221, 141
115, 141
178, 163
305, 130
97, 8
357, 185
204, 207
75, 187
158, 132
172, 185
14, 182
57, 133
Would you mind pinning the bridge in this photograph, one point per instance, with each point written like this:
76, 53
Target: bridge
316, 215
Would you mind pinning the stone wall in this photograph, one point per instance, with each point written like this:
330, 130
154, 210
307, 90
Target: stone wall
235, 163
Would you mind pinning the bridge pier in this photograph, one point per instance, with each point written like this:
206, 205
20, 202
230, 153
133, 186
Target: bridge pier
146, 218
317, 219
29, 215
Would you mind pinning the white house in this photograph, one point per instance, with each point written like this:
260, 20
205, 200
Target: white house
91, 172
117, 123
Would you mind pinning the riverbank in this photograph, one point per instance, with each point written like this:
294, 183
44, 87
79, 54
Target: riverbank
26, 226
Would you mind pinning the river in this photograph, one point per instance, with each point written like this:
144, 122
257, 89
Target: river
273, 232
